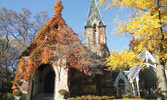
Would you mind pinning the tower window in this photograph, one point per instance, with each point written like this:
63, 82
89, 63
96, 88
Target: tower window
94, 33
94, 26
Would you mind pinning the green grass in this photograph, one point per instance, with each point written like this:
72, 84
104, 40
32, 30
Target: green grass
130, 99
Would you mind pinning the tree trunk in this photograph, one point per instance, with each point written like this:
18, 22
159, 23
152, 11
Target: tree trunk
162, 86
161, 75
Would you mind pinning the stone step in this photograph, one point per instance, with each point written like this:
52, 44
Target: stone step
44, 96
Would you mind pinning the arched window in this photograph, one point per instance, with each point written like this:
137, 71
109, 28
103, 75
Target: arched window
121, 87
94, 33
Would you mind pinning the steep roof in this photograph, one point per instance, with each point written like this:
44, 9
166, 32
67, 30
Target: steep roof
147, 57
116, 73
94, 13
149, 61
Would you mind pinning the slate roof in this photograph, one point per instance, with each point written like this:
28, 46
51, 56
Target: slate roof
94, 13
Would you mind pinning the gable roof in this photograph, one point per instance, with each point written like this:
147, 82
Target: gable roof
147, 58
122, 76
116, 74
94, 13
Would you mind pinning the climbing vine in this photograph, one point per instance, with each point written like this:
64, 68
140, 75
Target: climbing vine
54, 41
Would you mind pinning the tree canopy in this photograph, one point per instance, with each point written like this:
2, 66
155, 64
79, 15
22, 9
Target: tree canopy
148, 25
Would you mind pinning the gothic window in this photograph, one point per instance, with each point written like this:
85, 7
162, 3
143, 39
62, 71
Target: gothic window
121, 87
121, 84
94, 33
97, 37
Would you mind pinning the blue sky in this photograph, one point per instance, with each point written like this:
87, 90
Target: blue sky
75, 13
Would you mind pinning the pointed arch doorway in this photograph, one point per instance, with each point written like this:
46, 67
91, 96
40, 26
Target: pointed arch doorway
43, 82
49, 82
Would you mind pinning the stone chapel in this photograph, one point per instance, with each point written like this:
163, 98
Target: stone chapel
56, 61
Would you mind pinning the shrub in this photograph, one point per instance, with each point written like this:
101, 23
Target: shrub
91, 97
126, 96
1, 95
64, 92
6, 96
18, 93
7, 87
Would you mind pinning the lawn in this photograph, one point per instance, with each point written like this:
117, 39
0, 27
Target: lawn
130, 99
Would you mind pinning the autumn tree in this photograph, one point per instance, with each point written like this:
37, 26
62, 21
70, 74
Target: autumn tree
17, 31
22, 26
149, 26
7, 58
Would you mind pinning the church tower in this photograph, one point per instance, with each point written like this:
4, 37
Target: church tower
95, 37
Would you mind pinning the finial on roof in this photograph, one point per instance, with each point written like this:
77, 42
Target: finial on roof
58, 7
94, 13
93, 1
